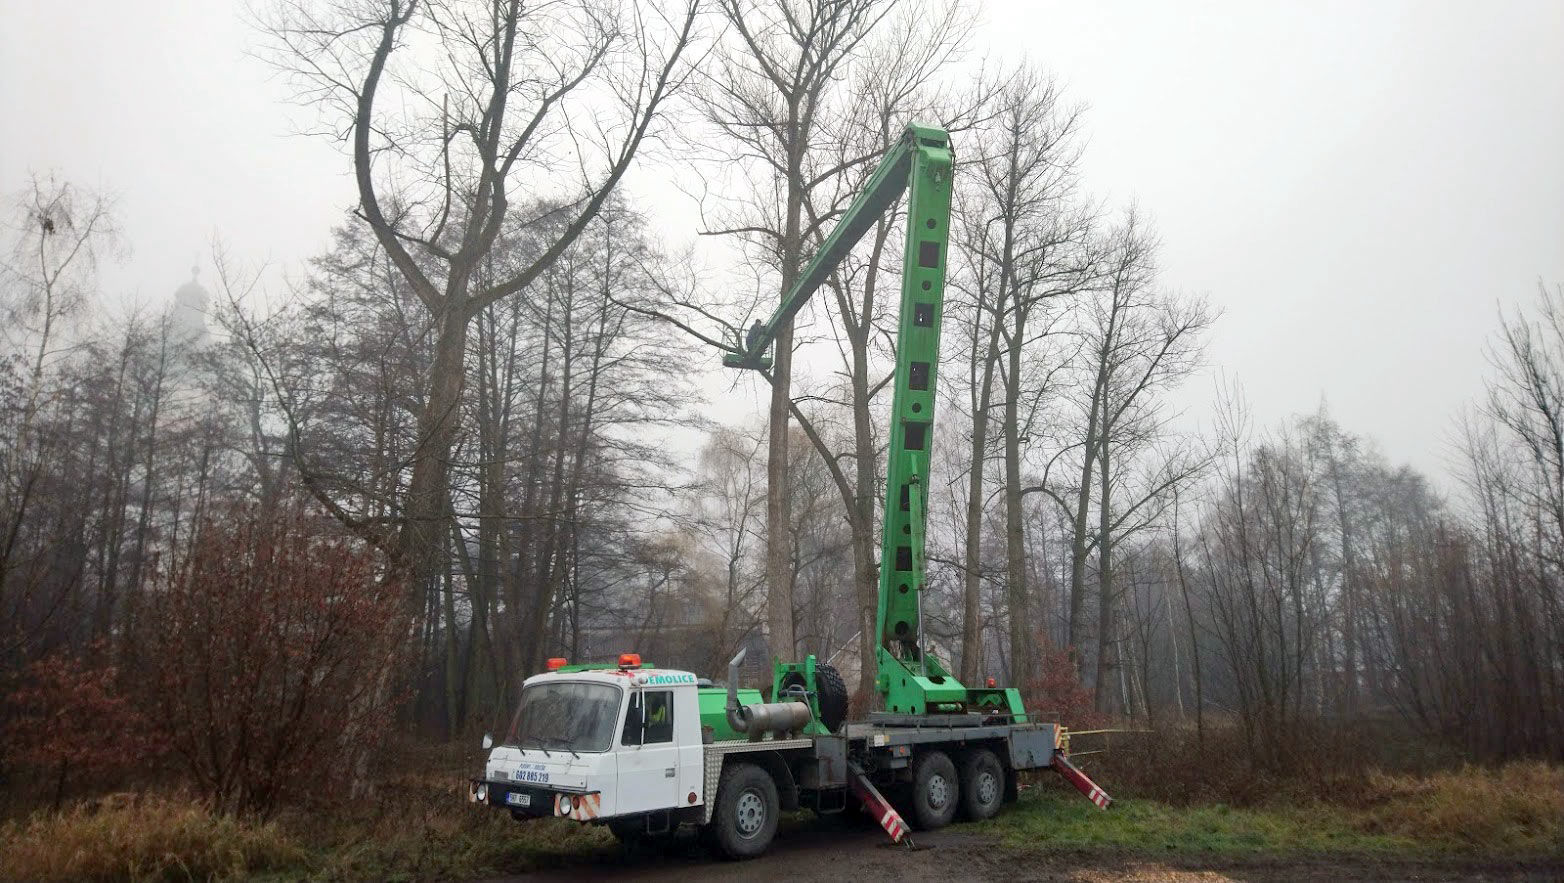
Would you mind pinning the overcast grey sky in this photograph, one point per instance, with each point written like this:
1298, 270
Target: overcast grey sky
1355, 184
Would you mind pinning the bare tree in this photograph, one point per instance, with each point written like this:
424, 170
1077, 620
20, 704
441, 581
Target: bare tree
1026, 235
727, 522
57, 234
1141, 342
775, 98
452, 110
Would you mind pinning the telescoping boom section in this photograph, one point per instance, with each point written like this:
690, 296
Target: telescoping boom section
911, 680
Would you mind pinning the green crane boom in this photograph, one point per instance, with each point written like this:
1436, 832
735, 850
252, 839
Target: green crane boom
911, 680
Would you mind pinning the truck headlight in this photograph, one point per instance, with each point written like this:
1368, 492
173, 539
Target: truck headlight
483, 793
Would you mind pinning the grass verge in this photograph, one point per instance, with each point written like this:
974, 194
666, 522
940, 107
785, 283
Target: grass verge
1515, 812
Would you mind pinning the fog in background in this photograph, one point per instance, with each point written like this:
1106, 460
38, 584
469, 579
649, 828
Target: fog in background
1355, 186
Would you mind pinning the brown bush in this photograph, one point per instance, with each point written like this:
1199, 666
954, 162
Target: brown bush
69, 719
268, 653
1057, 694
1177, 765
1359, 766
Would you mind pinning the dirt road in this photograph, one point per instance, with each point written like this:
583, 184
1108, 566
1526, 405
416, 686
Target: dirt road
819, 851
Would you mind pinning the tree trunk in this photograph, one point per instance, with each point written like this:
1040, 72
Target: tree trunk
1349, 613
779, 506
1021, 639
421, 539
1107, 645
972, 555
1078, 540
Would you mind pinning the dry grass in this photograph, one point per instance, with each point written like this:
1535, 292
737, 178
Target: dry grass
1510, 812
420, 826
416, 826
1514, 809
149, 839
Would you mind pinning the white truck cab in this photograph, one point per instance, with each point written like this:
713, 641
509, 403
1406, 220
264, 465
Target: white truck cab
600, 743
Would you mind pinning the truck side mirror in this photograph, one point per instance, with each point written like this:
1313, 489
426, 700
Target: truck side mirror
488, 741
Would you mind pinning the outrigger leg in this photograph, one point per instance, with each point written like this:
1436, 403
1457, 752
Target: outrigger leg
1075, 777
876, 804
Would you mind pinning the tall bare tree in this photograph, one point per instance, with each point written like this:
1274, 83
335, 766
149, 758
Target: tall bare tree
1027, 235
453, 110
775, 97
1141, 342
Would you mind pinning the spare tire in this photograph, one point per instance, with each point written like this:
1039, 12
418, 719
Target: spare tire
831, 695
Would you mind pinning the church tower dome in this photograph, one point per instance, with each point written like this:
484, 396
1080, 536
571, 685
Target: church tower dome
190, 306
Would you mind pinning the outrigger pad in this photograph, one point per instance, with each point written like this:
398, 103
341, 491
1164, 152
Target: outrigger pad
876, 803
1075, 777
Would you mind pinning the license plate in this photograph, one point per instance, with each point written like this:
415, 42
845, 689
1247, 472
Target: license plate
516, 798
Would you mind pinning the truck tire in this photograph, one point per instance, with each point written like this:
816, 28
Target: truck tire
745, 818
982, 785
935, 790
831, 693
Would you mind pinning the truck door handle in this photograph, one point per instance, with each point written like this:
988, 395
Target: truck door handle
668, 773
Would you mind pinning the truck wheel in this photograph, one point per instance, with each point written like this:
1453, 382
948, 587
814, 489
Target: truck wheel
832, 696
935, 790
982, 785
745, 819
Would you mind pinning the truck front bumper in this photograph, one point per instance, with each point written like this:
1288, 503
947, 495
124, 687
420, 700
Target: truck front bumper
528, 800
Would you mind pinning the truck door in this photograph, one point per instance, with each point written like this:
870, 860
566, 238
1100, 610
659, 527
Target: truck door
649, 756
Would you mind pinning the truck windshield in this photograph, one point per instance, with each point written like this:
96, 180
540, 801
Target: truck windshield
566, 717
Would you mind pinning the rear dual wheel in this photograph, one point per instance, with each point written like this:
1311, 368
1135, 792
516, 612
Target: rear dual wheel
982, 784
938, 791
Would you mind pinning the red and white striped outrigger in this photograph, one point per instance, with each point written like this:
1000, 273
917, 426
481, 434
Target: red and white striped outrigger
900, 832
1075, 777
875, 803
